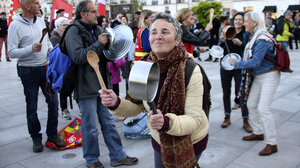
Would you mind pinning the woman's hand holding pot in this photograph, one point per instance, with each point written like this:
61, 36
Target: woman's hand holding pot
156, 120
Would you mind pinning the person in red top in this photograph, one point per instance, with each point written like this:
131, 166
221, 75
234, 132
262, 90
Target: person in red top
142, 40
185, 16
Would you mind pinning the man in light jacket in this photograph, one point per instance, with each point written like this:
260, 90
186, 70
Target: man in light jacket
24, 34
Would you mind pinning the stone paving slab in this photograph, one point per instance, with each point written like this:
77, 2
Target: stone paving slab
287, 156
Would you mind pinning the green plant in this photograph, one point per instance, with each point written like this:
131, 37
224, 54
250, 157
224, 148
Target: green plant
137, 6
201, 11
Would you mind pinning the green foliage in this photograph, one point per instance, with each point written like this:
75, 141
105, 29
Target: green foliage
201, 11
136, 4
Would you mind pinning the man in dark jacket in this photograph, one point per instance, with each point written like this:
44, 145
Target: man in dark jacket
3, 34
59, 13
87, 86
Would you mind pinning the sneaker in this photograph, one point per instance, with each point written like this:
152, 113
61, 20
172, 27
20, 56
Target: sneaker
95, 165
127, 161
235, 106
199, 59
66, 114
80, 114
8, 60
289, 70
57, 142
37, 146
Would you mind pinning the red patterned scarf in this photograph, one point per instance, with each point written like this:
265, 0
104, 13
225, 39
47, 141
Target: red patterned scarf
176, 151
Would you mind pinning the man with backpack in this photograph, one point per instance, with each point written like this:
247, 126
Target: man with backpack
93, 38
24, 34
283, 30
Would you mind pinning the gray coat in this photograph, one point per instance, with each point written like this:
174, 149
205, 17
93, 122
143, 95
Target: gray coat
87, 85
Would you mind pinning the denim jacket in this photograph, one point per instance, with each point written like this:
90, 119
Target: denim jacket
258, 62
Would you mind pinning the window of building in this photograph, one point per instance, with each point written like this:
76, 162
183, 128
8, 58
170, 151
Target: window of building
143, 3
180, 1
113, 1
154, 2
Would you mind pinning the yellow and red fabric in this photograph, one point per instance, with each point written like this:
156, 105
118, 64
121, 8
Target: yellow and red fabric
139, 50
70, 134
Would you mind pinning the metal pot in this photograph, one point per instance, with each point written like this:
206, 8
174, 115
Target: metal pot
229, 32
120, 39
216, 51
225, 63
143, 82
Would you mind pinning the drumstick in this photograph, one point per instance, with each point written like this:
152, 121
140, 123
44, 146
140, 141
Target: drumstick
211, 15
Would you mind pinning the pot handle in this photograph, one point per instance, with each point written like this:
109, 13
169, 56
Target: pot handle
152, 106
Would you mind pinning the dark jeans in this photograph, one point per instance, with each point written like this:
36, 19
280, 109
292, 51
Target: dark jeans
291, 43
33, 78
63, 100
226, 79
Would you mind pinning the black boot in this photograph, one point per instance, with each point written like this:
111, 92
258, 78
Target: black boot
37, 146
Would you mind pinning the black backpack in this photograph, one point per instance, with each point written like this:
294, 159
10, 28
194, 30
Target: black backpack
190, 66
279, 25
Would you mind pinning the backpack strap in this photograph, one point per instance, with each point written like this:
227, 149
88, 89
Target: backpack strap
275, 46
62, 40
189, 68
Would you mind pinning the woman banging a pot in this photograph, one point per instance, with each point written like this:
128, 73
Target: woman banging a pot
266, 80
179, 130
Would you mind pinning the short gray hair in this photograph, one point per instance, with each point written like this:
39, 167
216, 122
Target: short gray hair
170, 19
59, 20
23, 3
255, 17
288, 12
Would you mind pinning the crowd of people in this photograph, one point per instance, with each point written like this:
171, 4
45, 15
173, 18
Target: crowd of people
179, 130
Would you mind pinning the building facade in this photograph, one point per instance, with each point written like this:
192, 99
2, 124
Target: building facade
4, 6
113, 7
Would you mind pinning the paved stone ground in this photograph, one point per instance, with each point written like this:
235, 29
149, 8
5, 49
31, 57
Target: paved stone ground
225, 148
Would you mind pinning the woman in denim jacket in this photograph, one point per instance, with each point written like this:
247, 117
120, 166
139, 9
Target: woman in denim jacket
266, 80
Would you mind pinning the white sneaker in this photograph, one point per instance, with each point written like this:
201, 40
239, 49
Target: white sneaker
235, 106
66, 114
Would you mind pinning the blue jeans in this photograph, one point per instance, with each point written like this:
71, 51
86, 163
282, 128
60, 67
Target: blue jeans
285, 45
92, 109
33, 78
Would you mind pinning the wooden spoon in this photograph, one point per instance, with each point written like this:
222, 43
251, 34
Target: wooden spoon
44, 32
93, 60
211, 15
